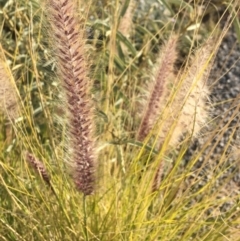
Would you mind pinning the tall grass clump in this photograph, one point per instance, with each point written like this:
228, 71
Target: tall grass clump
116, 93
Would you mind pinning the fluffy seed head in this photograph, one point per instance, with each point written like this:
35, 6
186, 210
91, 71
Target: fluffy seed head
158, 177
8, 95
188, 110
68, 44
126, 20
158, 87
38, 166
178, 104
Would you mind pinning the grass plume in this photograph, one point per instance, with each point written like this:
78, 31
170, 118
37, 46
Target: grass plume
189, 109
186, 104
68, 43
158, 87
39, 167
8, 95
126, 20
178, 103
125, 25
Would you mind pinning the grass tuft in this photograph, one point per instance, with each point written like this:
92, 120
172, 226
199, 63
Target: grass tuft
169, 172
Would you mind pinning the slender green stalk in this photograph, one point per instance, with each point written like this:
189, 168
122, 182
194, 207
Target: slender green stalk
85, 219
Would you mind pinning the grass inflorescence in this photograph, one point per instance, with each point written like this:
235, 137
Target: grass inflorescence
68, 43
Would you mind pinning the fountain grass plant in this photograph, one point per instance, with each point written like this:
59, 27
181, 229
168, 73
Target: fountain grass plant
130, 201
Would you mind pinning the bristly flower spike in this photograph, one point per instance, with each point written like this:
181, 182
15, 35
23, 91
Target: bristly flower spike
68, 44
8, 92
38, 167
158, 87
